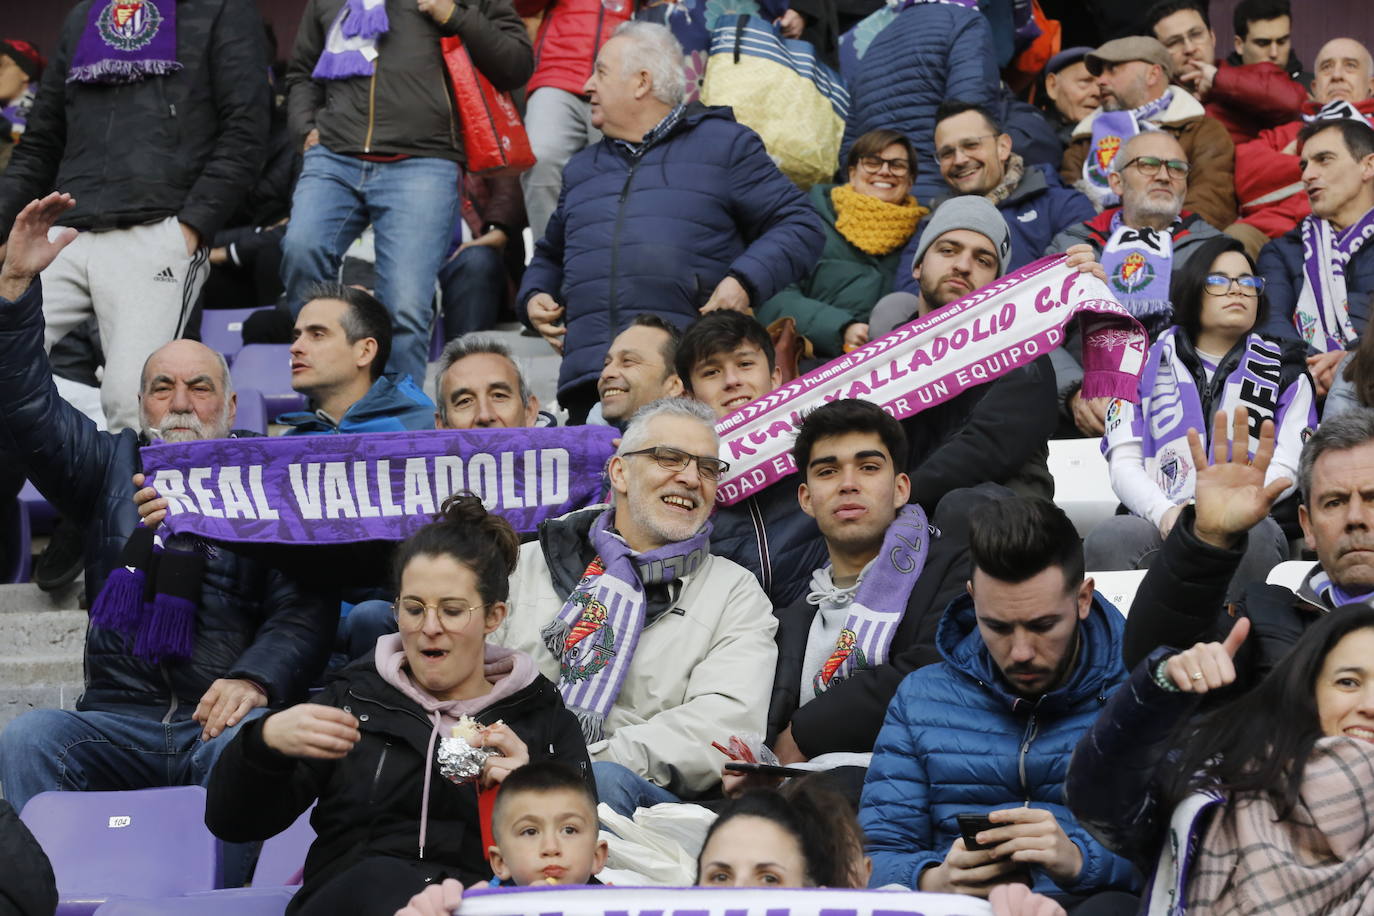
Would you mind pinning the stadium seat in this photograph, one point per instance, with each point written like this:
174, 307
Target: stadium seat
1119, 586
242, 901
222, 330
1290, 573
283, 856
1082, 486
252, 411
267, 368
145, 843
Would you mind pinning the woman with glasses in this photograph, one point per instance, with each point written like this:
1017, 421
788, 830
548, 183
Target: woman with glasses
391, 811
1210, 360
867, 222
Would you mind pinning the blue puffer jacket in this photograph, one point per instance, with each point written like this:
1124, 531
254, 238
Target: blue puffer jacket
1281, 264
1039, 209
658, 232
930, 52
956, 739
391, 405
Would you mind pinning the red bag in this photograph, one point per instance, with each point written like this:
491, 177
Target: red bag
494, 137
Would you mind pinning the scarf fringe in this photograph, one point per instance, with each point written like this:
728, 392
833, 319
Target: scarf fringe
121, 71
555, 636
119, 605
593, 724
168, 629
343, 65
1110, 383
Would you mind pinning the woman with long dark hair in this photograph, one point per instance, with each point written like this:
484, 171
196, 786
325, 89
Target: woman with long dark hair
1260, 803
1210, 359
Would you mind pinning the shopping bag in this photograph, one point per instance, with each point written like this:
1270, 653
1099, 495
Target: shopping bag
494, 137
778, 87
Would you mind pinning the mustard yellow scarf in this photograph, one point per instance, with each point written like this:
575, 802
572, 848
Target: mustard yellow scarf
871, 225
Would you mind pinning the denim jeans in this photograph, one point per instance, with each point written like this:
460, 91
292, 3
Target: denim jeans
412, 205
472, 288
64, 750
625, 790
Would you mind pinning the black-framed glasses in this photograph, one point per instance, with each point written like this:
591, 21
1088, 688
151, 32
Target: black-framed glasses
1150, 165
1220, 284
675, 459
874, 164
410, 613
969, 145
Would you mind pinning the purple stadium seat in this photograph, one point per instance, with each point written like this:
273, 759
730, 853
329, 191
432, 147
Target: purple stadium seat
16, 543
267, 368
252, 411
242, 901
150, 842
222, 330
283, 856
42, 514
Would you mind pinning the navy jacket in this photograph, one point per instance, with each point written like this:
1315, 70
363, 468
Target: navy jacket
769, 535
928, 53
956, 739
391, 405
253, 622
1281, 265
1039, 209
658, 232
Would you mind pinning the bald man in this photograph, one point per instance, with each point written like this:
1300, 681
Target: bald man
260, 638
1273, 199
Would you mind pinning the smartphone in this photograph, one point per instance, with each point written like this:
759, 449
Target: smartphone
767, 769
970, 825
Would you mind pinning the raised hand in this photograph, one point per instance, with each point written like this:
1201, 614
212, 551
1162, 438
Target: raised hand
1231, 495
29, 252
1208, 665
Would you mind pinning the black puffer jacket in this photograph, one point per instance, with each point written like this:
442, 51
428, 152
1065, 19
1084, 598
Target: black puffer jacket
370, 801
406, 106
27, 885
188, 144
253, 622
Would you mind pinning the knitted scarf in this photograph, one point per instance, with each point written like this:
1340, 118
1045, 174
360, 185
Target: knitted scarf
1016, 170
1322, 315
350, 47
1111, 130
879, 601
1139, 263
595, 634
153, 595
871, 225
1320, 590
126, 41
1320, 859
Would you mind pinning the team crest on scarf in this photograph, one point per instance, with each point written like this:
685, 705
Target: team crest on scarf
595, 631
1174, 471
1133, 273
845, 646
1106, 151
129, 24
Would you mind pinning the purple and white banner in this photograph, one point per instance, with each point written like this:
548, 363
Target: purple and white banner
371, 486
713, 901
1001, 327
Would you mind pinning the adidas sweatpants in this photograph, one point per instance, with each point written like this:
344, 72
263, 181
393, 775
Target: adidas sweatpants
141, 284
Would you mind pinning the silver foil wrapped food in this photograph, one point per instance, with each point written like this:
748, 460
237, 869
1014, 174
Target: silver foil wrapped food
460, 762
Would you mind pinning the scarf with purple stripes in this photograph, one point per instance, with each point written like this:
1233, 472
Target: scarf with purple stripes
350, 47
595, 634
1111, 130
126, 41
880, 600
1322, 315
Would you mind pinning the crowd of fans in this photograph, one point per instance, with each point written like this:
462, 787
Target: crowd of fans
911, 595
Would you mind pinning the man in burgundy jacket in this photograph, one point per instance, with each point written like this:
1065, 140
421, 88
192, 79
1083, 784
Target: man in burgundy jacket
1246, 97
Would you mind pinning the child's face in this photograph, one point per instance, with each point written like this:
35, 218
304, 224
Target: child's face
547, 838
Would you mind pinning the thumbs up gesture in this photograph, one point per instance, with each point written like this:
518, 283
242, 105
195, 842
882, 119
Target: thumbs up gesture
1208, 665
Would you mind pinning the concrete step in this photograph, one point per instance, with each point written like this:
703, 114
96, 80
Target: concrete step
42, 632
29, 597
17, 700
43, 637
28, 670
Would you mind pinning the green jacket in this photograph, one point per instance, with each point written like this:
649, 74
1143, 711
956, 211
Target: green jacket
842, 288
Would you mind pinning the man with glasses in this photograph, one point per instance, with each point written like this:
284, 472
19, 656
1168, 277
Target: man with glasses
1139, 243
1321, 275
1133, 75
975, 157
659, 647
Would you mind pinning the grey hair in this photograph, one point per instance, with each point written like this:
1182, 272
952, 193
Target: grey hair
226, 380
1338, 434
636, 434
473, 345
652, 48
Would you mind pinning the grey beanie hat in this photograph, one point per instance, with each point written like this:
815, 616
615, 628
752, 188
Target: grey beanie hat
975, 214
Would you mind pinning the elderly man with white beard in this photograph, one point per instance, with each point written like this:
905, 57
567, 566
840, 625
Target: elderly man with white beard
156, 710
659, 647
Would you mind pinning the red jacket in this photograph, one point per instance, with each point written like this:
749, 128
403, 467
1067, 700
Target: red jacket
571, 34
1269, 181
1248, 98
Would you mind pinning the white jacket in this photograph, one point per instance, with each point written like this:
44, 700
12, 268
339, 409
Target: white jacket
702, 671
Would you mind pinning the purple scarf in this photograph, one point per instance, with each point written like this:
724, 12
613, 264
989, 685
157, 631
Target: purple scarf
879, 601
1139, 263
595, 634
1111, 130
1322, 315
126, 41
350, 47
